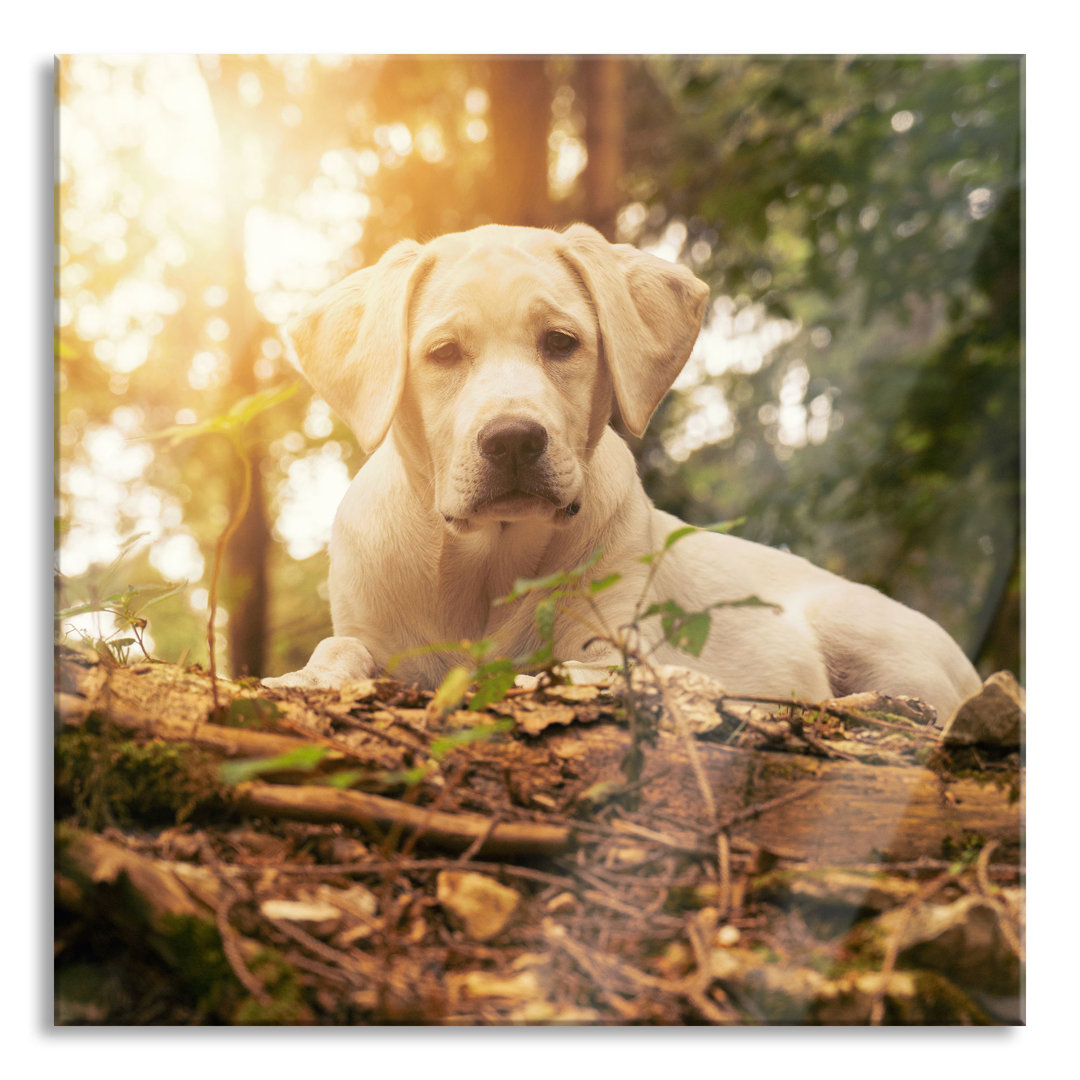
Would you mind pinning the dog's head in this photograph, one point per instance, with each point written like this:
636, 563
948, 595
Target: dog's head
495, 354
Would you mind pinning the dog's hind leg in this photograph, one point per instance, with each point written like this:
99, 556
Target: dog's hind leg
872, 643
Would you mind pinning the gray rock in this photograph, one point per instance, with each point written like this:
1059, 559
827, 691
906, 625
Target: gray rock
992, 717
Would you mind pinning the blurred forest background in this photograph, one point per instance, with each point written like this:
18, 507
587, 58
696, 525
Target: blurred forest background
856, 394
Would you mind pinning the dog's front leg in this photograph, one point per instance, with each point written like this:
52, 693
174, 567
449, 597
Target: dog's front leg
335, 661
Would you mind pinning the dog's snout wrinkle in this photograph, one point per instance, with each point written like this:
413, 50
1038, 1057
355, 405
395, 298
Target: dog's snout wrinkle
512, 440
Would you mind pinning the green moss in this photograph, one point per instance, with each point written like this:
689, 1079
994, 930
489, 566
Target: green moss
783, 770
286, 1004
940, 1002
254, 714
110, 781
192, 949
964, 850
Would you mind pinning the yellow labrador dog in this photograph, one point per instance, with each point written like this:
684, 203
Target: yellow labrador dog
479, 372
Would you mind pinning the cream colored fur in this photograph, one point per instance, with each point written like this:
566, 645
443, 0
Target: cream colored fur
448, 360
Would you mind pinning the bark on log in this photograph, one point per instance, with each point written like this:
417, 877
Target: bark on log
856, 812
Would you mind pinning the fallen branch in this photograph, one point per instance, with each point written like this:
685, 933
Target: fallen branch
456, 832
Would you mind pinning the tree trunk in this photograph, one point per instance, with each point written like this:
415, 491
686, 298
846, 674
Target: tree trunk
604, 88
520, 112
246, 577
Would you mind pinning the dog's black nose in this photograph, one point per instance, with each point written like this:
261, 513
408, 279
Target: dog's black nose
512, 439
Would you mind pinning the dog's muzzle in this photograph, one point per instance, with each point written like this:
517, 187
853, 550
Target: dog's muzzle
516, 473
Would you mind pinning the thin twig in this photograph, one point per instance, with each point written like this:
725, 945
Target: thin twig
480, 841
981, 865
834, 710
750, 812
433, 810
357, 971
230, 947
723, 852
219, 558
453, 830
1009, 932
682, 725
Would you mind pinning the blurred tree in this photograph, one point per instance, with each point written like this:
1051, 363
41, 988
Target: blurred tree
876, 201
603, 80
517, 183
246, 581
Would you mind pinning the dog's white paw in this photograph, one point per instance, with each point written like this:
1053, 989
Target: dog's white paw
334, 662
304, 679
580, 673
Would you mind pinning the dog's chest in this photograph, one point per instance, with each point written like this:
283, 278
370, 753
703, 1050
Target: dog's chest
476, 576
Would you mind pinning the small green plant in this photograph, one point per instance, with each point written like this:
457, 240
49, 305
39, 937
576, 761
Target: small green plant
126, 606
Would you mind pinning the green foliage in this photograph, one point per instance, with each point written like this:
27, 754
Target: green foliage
302, 759
689, 631
878, 202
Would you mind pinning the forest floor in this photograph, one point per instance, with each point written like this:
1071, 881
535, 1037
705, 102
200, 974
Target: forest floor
367, 856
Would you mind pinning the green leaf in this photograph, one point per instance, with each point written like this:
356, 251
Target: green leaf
407, 777
441, 747
604, 583
302, 759
677, 534
241, 413
246, 409
724, 526
346, 778
492, 685
477, 649
667, 608
537, 658
452, 689
686, 631
691, 633
572, 577
544, 619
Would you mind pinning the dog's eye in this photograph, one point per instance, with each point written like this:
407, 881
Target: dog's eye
556, 343
446, 352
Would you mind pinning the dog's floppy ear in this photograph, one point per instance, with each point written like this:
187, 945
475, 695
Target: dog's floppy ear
649, 311
351, 343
